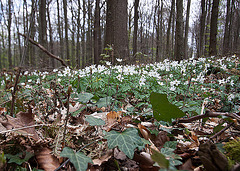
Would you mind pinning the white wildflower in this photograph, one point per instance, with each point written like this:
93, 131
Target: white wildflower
142, 81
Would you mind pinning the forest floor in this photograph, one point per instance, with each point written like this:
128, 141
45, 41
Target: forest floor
168, 115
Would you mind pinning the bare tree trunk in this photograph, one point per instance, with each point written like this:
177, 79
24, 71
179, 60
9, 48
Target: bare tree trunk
83, 35
59, 28
186, 30
66, 30
78, 35
179, 42
136, 5
89, 34
42, 31
202, 29
213, 28
116, 28
97, 34
169, 29
50, 34
9, 33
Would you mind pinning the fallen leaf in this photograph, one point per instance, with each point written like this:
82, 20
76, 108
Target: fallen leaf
103, 158
113, 116
46, 160
144, 131
23, 119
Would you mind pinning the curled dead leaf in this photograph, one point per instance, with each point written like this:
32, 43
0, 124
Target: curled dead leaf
46, 160
144, 131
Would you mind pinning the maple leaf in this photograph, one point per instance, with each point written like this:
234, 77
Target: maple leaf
126, 141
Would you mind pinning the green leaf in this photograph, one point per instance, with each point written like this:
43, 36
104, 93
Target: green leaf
160, 159
103, 102
83, 97
79, 160
162, 109
126, 141
94, 121
16, 158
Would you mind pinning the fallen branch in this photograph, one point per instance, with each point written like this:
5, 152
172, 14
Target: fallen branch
206, 115
44, 50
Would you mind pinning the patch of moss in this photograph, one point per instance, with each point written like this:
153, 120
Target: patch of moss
233, 149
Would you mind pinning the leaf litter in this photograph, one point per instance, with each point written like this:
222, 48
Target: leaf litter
127, 132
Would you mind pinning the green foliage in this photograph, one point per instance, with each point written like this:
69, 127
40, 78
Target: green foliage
18, 158
104, 102
162, 109
127, 141
82, 97
94, 121
160, 159
78, 159
233, 149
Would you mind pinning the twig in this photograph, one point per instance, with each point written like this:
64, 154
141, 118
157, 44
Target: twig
44, 50
68, 114
14, 91
220, 132
206, 115
62, 165
16, 129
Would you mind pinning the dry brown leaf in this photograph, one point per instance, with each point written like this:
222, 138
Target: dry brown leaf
144, 131
103, 158
46, 160
23, 119
2, 110
114, 117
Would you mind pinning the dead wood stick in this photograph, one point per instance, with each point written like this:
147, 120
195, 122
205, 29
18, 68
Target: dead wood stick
44, 50
206, 115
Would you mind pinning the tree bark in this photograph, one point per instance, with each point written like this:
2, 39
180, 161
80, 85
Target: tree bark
9, 33
66, 30
42, 31
202, 29
213, 28
179, 42
97, 34
116, 28
169, 29
136, 5
186, 30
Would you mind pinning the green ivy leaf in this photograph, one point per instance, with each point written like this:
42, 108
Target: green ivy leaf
16, 158
160, 159
126, 141
79, 160
83, 97
162, 109
104, 101
94, 121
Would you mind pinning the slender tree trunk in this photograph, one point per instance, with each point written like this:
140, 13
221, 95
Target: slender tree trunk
226, 39
50, 35
78, 35
202, 29
136, 5
83, 35
66, 30
169, 29
59, 28
186, 30
213, 28
9, 33
97, 34
42, 31
89, 34
179, 42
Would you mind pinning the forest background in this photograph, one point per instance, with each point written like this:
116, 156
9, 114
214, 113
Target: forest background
80, 31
